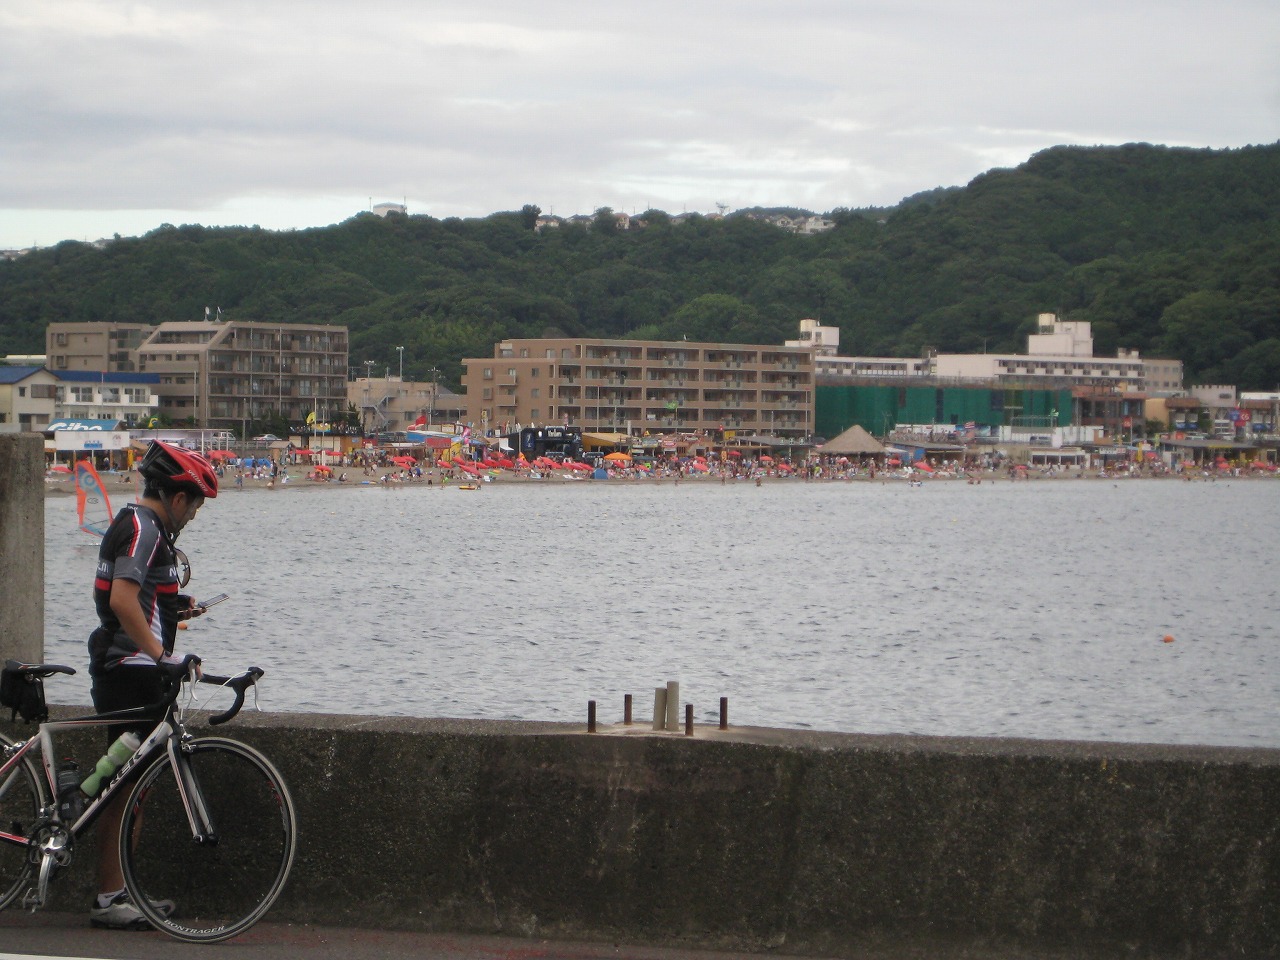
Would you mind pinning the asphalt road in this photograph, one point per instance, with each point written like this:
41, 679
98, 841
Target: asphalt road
69, 935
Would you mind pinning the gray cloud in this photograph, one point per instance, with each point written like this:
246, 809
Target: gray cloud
233, 111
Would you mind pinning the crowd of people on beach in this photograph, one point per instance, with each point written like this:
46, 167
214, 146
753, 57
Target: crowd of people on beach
391, 470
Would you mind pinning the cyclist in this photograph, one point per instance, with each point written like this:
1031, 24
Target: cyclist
135, 590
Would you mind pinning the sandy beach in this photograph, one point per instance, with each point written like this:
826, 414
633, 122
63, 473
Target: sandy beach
62, 485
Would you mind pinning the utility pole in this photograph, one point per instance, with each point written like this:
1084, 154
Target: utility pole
368, 387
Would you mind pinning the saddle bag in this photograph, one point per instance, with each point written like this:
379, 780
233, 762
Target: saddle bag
22, 693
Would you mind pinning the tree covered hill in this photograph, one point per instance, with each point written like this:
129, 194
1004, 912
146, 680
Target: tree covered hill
1175, 252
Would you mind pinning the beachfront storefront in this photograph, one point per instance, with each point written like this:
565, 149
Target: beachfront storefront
1059, 458
68, 440
1212, 452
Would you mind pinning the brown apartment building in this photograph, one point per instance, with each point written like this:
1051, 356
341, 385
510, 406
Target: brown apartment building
222, 374
642, 386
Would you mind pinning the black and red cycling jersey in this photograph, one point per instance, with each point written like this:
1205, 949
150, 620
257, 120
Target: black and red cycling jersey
136, 547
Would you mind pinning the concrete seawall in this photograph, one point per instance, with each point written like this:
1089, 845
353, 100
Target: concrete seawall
762, 839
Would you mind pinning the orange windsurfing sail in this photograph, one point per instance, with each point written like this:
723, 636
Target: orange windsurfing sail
92, 504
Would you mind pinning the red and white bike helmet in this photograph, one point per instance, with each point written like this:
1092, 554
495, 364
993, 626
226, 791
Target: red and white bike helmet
173, 466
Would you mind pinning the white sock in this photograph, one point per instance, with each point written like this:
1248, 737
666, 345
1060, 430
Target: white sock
104, 899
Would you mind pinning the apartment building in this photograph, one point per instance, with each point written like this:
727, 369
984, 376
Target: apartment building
128, 398
218, 374
26, 398
35, 399
1060, 353
1063, 350
642, 386
393, 404
94, 346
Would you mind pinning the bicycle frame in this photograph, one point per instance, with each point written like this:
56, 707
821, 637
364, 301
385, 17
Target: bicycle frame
56, 836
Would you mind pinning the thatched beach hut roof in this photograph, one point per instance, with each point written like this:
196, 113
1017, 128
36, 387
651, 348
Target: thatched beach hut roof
853, 442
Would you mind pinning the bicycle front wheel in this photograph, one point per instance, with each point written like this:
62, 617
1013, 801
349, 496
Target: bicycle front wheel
21, 798
212, 889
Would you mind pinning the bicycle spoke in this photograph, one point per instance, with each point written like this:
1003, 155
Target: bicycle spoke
20, 802
222, 886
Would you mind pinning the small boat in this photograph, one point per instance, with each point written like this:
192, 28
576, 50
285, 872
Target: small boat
468, 486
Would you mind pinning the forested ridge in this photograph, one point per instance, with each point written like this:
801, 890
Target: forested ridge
1175, 252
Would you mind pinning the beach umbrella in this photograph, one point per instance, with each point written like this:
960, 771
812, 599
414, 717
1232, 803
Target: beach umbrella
618, 457
766, 459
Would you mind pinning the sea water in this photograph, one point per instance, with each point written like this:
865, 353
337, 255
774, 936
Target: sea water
1013, 609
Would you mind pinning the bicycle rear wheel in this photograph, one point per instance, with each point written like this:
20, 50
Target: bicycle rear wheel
22, 796
223, 886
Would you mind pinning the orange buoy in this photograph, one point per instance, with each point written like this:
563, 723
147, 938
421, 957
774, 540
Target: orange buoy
183, 626
1168, 638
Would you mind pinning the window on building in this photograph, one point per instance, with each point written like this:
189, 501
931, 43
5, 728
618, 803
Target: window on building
534, 413
534, 394
488, 373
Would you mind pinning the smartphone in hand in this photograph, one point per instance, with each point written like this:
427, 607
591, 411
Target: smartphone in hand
206, 604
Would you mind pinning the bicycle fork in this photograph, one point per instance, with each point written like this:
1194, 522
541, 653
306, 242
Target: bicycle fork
203, 829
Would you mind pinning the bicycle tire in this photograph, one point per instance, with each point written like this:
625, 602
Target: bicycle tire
22, 797
219, 889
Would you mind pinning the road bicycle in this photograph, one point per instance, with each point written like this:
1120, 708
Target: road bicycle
219, 831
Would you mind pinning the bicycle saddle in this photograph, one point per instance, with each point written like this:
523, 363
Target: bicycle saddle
39, 670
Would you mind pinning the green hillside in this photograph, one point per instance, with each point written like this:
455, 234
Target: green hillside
1175, 252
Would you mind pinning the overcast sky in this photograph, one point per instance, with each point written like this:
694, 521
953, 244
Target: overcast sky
116, 117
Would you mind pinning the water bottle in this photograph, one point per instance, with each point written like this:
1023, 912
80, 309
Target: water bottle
70, 800
111, 761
